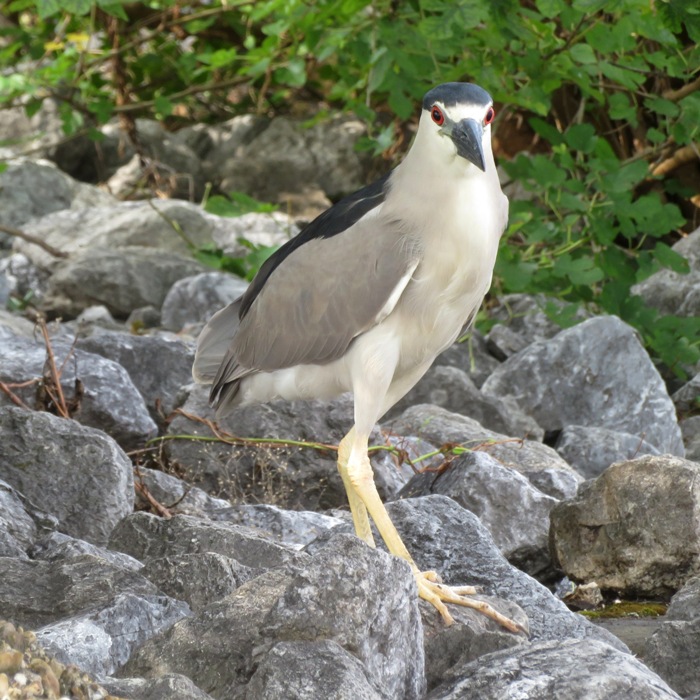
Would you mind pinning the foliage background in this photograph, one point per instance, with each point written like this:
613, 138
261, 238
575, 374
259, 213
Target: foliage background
598, 122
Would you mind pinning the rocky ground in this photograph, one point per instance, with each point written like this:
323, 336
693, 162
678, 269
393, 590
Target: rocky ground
148, 553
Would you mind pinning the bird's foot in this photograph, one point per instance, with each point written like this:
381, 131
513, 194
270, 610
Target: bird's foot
431, 589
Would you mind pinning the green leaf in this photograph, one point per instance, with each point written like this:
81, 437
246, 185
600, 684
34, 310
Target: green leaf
581, 137
237, 204
671, 259
662, 106
164, 107
46, 8
77, 7
583, 53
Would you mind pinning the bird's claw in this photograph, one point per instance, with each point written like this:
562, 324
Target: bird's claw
437, 594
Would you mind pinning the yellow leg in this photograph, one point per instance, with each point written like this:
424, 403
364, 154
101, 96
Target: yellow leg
362, 491
357, 507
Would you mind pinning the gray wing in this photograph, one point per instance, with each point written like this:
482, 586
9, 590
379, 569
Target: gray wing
320, 297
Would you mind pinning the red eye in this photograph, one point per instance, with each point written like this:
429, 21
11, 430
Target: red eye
490, 115
437, 115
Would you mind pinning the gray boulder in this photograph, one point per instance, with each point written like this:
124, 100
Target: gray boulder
101, 641
570, 379
76, 473
308, 670
446, 538
572, 668
483, 486
524, 319
37, 593
158, 365
360, 598
122, 280
169, 686
198, 579
591, 450
196, 299
635, 529
283, 156
672, 292
471, 356
673, 650
690, 429
121, 225
687, 398
145, 536
540, 464
55, 546
452, 389
17, 527
284, 475
99, 391
32, 189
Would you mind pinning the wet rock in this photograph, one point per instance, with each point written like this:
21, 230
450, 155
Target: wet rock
592, 450
568, 669
571, 379
76, 473
634, 529
515, 512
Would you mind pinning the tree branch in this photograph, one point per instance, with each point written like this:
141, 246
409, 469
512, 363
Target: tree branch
34, 240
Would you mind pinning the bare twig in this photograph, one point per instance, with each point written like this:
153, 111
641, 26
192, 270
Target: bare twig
680, 157
676, 95
5, 388
175, 225
143, 491
52, 383
34, 240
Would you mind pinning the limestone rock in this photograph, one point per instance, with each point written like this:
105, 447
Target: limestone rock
572, 379
635, 529
76, 473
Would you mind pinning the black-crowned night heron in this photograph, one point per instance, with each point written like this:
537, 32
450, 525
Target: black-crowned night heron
368, 294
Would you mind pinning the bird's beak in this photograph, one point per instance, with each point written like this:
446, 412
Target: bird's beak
466, 136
